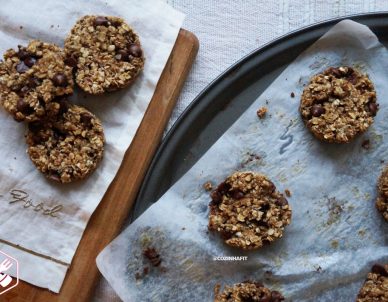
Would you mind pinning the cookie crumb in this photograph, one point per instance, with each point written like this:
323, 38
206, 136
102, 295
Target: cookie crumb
366, 144
153, 256
262, 112
292, 94
21, 27
287, 192
208, 186
334, 244
183, 228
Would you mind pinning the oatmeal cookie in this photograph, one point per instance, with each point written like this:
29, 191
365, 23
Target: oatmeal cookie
338, 104
67, 147
247, 291
31, 78
375, 287
106, 53
382, 199
247, 211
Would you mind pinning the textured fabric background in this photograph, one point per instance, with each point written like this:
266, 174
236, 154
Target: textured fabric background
230, 29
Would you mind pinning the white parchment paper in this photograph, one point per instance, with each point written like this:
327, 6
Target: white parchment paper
336, 233
45, 245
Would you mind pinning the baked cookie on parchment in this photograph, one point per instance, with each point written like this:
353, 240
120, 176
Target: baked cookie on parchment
247, 211
338, 104
247, 291
105, 52
31, 78
382, 199
66, 147
375, 287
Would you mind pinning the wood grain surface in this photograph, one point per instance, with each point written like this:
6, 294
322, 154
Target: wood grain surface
111, 213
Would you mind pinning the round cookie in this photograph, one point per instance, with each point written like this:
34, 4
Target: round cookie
338, 104
105, 52
382, 199
247, 211
247, 291
375, 286
66, 147
31, 78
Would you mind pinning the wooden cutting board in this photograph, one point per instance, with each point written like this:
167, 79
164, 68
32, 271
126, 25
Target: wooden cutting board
107, 220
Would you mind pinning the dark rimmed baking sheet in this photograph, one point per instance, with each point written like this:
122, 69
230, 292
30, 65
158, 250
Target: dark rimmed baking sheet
226, 98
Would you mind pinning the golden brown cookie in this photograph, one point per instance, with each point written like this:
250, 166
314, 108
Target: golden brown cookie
375, 288
382, 199
31, 78
338, 104
247, 291
67, 147
105, 52
247, 211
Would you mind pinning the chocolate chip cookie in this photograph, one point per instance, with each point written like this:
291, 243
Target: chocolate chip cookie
338, 104
375, 287
105, 52
247, 211
382, 199
31, 77
66, 147
247, 291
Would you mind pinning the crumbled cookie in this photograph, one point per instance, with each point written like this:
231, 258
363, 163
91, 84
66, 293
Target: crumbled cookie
208, 186
338, 104
247, 291
153, 256
105, 52
261, 112
382, 199
31, 78
66, 147
375, 287
247, 211
287, 192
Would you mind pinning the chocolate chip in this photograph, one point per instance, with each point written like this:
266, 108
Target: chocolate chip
22, 53
237, 194
135, 50
101, 21
24, 90
60, 80
266, 297
40, 138
317, 110
54, 175
21, 67
23, 107
223, 188
35, 126
59, 134
373, 108
33, 82
86, 119
71, 61
281, 201
276, 296
226, 234
29, 61
64, 105
379, 269
258, 284
123, 55
335, 71
216, 196
271, 187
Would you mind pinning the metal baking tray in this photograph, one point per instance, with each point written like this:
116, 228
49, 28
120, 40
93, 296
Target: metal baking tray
218, 106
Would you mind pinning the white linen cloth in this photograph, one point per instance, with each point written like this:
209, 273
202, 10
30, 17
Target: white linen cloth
228, 30
44, 245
